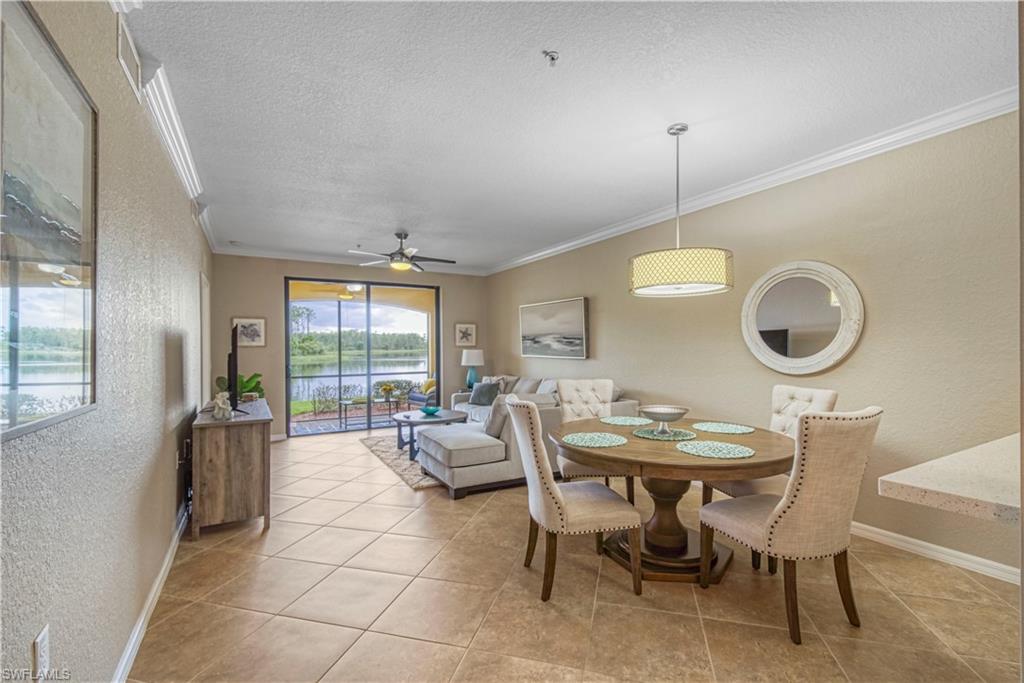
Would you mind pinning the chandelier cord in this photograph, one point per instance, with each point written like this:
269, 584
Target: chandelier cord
677, 191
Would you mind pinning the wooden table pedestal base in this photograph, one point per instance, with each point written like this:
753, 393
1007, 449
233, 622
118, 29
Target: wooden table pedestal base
671, 551
684, 567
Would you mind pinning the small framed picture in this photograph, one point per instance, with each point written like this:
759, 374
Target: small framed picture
129, 57
251, 331
465, 334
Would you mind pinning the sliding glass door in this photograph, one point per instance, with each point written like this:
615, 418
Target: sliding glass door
355, 350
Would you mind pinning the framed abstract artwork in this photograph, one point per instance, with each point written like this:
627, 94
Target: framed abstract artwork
554, 329
251, 331
47, 232
465, 334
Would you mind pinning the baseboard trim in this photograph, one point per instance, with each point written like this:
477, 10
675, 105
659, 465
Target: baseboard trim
124, 666
278, 437
1003, 572
996, 570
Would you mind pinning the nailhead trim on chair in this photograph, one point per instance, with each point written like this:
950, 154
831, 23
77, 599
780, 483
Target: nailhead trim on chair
800, 479
799, 484
521, 407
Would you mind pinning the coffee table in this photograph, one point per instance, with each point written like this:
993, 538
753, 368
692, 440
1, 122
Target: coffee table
416, 418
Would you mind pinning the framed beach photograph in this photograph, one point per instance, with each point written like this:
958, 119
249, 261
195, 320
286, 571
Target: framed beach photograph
48, 236
554, 329
465, 334
251, 331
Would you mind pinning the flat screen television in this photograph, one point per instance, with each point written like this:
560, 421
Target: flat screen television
233, 368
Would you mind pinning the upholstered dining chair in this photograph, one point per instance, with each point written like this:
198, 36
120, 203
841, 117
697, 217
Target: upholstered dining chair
788, 403
578, 507
582, 399
812, 519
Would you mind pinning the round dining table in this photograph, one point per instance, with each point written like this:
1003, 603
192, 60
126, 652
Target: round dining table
671, 551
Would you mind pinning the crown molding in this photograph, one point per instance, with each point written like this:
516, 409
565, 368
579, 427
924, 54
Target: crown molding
125, 6
316, 257
981, 109
160, 102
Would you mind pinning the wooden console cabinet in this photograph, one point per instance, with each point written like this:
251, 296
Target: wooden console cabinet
231, 467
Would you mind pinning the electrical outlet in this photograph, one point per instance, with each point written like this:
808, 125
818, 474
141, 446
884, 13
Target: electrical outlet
177, 458
41, 653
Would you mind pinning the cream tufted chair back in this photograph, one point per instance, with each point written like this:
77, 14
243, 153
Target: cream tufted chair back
788, 403
585, 398
547, 507
813, 518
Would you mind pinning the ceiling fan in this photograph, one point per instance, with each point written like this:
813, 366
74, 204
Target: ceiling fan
403, 258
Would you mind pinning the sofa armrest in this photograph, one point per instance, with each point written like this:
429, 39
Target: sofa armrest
460, 397
627, 407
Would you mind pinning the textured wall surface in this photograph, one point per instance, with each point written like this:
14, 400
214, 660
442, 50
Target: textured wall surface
930, 235
247, 287
88, 505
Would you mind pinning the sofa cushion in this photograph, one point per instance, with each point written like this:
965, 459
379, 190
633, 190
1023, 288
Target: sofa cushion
484, 393
476, 413
460, 445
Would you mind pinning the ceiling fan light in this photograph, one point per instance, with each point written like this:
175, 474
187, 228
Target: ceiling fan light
401, 265
345, 296
688, 271
354, 288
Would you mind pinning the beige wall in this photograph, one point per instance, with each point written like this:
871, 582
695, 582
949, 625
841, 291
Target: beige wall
89, 504
928, 232
246, 287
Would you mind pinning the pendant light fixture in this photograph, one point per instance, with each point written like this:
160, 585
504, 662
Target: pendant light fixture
683, 271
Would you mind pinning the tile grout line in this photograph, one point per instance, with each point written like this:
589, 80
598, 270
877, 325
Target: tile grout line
704, 632
907, 607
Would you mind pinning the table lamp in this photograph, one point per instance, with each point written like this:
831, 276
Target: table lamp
472, 358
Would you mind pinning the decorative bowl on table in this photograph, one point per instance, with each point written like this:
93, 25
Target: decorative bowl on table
663, 414
430, 410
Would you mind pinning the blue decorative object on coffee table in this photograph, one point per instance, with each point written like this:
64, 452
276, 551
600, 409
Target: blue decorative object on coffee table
715, 449
595, 439
430, 410
723, 428
626, 421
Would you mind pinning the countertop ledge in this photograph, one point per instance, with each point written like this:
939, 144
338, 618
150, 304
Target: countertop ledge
982, 481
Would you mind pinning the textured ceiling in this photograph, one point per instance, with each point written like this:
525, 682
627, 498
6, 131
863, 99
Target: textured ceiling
317, 126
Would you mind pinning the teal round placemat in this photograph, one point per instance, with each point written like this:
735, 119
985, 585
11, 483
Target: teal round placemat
714, 449
626, 421
676, 435
594, 439
723, 428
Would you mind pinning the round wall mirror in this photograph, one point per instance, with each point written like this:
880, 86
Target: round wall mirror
802, 317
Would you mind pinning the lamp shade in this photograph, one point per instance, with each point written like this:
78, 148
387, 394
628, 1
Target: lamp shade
688, 271
472, 357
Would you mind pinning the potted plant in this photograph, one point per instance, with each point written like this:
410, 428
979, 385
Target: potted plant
246, 385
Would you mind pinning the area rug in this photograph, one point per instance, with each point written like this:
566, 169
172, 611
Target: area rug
385, 448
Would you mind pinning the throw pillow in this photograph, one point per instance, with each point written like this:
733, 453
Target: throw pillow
495, 379
484, 393
496, 420
547, 386
616, 393
428, 385
525, 385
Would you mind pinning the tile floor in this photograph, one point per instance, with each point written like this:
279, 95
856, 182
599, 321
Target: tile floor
362, 579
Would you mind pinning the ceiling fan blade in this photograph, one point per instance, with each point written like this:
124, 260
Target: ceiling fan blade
432, 260
374, 263
410, 251
417, 268
366, 253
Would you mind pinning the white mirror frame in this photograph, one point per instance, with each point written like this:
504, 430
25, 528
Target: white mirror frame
850, 325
